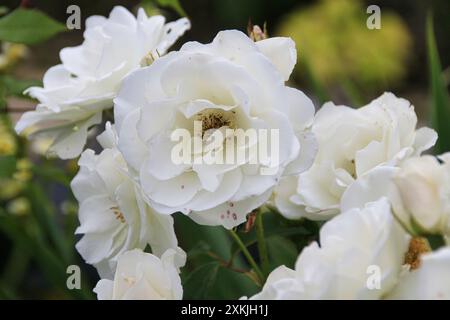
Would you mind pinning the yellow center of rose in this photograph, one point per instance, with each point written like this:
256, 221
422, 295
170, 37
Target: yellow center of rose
213, 119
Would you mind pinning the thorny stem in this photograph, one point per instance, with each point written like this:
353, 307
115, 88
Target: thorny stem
229, 265
226, 264
247, 255
262, 247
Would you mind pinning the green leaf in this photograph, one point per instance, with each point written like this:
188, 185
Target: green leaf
202, 248
440, 102
281, 252
173, 4
28, 26
212, 281
199, 282
191, 235
231, 285
199, 241
7, 166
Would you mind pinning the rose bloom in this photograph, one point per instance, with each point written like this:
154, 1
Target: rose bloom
230, 83
77, 91
351, 143
144, 276
354, 246
423, 186
113, 216
419, 191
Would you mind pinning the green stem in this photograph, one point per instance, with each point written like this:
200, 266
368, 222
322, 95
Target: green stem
247, 255
262, 247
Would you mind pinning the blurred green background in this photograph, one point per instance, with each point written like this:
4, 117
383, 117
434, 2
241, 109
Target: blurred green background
339, 59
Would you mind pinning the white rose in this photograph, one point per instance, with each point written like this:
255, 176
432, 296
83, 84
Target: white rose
351, 143
76, 91
354, 246
430, 281
113, 215
419, 191
231, 83
144, 276
423, 186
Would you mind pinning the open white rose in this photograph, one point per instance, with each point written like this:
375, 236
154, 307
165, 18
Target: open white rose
113, 215
76, 91
230, 84
351, 143
144, 276
431, 281
419, 191
360, 256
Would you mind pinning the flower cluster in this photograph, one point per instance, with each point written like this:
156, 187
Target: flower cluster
76, 91
354, 245
361, 169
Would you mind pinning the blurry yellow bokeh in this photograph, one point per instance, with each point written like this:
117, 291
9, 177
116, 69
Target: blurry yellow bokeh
8, 143
10, 54
333, 39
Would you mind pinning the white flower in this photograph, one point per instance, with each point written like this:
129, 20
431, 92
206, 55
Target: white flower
144, 276
287, 201
231, 83
113, 215
76, 91
430, 281
353, 247
423, 186
419, 191
351, 143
